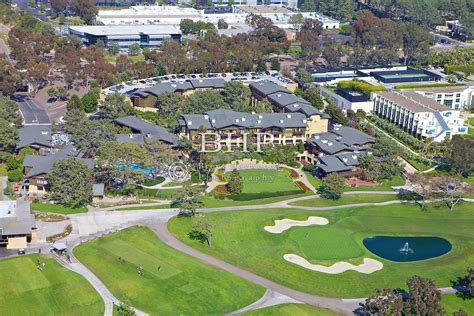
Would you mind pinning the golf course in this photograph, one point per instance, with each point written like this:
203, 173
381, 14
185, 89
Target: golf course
172, 283
26, 290
245, 243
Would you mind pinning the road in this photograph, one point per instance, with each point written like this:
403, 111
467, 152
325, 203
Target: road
32, 113
23, 6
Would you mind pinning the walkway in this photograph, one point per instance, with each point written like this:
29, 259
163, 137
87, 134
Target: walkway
3, 186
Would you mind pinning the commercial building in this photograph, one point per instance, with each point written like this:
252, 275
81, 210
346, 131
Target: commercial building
453, 97
285, 128
17, 224
147, 36
234, 15
418, 115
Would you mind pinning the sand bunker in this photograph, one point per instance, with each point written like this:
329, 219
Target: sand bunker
369, 265
284, 224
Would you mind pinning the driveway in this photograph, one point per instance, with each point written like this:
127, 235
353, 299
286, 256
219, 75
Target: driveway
32, 113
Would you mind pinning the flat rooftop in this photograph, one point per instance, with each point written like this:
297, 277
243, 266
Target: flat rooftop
7, 208
263, 9
106, 30
413, 101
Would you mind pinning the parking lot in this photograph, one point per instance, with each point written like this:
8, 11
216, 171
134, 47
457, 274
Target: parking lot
130, 87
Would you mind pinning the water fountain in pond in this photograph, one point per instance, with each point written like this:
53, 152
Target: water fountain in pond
406, 249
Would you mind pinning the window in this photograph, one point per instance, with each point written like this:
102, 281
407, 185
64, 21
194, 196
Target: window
448, 103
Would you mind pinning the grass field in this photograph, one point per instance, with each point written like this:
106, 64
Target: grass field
54, 291
182, 286
452, 303
291, 310
56, 208
266, 180
135, 58
347, 199
313, 180
246, 244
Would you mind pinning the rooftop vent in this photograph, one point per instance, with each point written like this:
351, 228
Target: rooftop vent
324, 141
281, 121
148, 135
330, 144
296, 105
259, 122
338, 137
344, 159
206, 117
243, 119
190, 123
237, 120
304, 121
316, 136
213, 121
260, 117
44, 133
288, 115
354, 157
173, 85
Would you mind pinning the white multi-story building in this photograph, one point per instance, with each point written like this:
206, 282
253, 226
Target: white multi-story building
172, 15
418, 115
454, 97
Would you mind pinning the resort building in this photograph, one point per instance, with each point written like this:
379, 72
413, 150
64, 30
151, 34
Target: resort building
35, 168
147, 36
37, 137
142, 131
453, 97
285, 128
337, 151
17, 224
418, 115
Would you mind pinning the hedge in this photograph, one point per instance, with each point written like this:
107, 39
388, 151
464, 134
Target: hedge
465, 68
428, 85
361, 86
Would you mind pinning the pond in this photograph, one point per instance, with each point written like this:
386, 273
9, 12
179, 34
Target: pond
406, 249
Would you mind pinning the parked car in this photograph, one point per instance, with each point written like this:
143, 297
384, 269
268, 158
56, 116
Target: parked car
21, 251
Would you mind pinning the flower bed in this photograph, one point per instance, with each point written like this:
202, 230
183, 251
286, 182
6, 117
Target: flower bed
302, 186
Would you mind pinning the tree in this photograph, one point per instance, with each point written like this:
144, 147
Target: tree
189, 198
203, 101
74, 103
186, 26
296, 20
237, 96
15, 175
333, 185
115, 106
59, 5
161, 155
304, 77
425, 298
422, 184
134, 49
384, 303
470, 279
222, 24
261, 66
416, 44
336, 113
100, 43
125, 310
462, 154
313, 96
450, 188
86, 9
89, 101
70, 180
235, 183
275, 65
8, 135
117, 161
113, 47
202, 231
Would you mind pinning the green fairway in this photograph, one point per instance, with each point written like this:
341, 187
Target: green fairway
54, 291
291, 310
452, 303
347, 199
56, 208
246, 244
209, 201
173, 283
266, 180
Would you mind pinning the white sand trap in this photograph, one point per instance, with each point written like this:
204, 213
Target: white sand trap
369, 265
283, 224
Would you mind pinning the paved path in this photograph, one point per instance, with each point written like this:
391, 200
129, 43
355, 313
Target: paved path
270, 298
32, 113
3, 185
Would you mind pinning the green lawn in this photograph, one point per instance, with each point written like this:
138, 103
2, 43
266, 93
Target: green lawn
145, 207
56, 208
313, 180
347, 199
136, 58
452, 303
266, 180
182, 286
246, 244
385, 185
291, 310
213, 202
54, 291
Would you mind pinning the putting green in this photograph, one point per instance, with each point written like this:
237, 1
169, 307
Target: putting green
266, 180
325, 243
173, 283
25, 290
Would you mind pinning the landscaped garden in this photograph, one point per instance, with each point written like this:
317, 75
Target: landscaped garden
26, 290
172, 282
245, 243
384, 185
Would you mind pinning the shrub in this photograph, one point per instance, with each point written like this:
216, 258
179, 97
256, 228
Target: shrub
361, 86
309, 167
152, 182
15, 175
